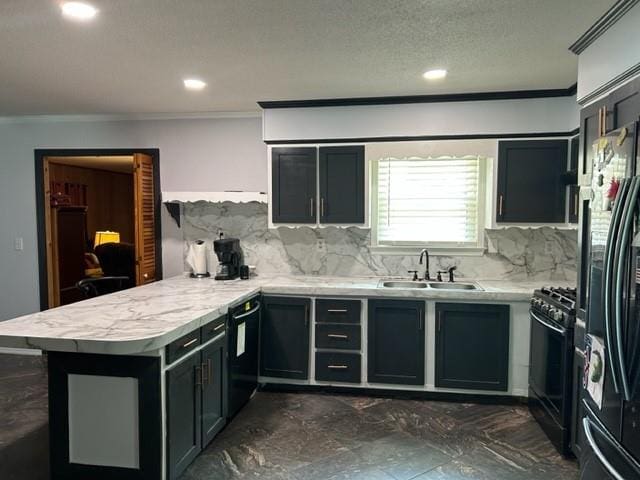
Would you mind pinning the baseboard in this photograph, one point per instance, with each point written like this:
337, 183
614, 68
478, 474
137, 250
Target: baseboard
400, 394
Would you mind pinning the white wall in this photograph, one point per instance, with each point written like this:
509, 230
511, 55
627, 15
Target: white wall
613, 53
195, 155
556, 114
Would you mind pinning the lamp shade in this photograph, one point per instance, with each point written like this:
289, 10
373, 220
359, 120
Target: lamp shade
106, 237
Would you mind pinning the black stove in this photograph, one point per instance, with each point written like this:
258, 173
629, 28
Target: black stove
553, 315
556, 303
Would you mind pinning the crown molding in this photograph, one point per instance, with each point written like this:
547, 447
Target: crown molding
604, 23
126, 117
396, 100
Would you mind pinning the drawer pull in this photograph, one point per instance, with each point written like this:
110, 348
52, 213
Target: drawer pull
218, 327
338, 335
337, 367
189, 343
338, 310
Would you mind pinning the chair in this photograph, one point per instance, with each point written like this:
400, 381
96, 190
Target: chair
94, 287
118, 260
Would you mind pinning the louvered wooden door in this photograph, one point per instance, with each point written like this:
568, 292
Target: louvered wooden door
145, 228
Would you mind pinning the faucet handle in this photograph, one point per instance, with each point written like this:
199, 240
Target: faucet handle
415, 274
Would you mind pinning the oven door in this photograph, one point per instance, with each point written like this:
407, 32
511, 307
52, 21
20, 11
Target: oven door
549, 366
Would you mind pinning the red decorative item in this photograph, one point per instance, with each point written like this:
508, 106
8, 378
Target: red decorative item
614, 186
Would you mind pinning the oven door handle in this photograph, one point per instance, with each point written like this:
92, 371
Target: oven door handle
586, 424
559, 330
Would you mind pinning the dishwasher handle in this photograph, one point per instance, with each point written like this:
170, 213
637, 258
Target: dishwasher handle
250, 312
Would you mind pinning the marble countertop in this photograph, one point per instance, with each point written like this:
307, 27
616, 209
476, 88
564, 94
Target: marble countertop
149, 317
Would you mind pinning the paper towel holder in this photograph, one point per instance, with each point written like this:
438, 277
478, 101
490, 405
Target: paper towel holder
192, 263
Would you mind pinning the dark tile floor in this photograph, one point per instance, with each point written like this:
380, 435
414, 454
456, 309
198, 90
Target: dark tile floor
286, 436
24, 442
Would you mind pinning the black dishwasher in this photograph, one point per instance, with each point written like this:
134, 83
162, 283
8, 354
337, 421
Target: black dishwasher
244, 327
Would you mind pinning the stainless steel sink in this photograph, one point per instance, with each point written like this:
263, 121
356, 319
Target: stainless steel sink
402, 284
453, 286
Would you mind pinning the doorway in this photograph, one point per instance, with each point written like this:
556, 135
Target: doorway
98, 219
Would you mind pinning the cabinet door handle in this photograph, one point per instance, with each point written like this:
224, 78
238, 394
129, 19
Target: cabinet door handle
321, 207
203, 374
306, 315
439, 320
311, 207
337, 310
500, 204
420, 319
337, 367
198, 374
209, 370
575, 203
337, 335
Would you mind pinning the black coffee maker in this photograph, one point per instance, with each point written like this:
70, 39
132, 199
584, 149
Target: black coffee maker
229, 257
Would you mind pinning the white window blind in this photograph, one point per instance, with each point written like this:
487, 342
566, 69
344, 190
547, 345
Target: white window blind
428, 200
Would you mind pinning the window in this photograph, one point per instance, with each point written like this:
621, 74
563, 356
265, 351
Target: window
429, 201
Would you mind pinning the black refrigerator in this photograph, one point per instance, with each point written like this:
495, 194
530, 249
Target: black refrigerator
611, 384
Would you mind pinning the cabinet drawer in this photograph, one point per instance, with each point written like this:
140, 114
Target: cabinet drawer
180, 347
338, 367
343, 337
338, 311
213, 329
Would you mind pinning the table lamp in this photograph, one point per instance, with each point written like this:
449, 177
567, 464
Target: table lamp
106, 237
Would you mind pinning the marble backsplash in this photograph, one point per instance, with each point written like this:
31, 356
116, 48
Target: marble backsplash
525, 254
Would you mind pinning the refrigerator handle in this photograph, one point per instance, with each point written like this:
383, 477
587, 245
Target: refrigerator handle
622, 259
586, 424
609, 269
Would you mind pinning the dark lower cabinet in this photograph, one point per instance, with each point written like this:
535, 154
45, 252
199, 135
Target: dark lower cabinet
213, 398
338, 367
195, 405
396, 339
284, 337
184, 405
472, 346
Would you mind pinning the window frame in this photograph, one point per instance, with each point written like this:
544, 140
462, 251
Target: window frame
410, 247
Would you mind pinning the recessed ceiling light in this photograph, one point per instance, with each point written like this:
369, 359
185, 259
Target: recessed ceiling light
435, 74
194, 84
79, 10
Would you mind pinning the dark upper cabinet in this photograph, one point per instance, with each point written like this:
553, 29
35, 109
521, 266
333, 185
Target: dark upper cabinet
396, 338
293, 186
472, 346
574, 189
623, 106
213, 392
342, 184
284, 338
531, 181
184, 440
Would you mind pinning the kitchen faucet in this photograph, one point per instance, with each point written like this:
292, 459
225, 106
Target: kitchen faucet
425, 253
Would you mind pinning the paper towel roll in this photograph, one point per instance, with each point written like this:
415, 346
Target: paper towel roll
197, 257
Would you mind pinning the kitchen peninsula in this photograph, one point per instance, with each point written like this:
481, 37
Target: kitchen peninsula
110, 357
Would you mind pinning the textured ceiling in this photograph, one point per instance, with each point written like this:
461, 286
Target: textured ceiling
133, 57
